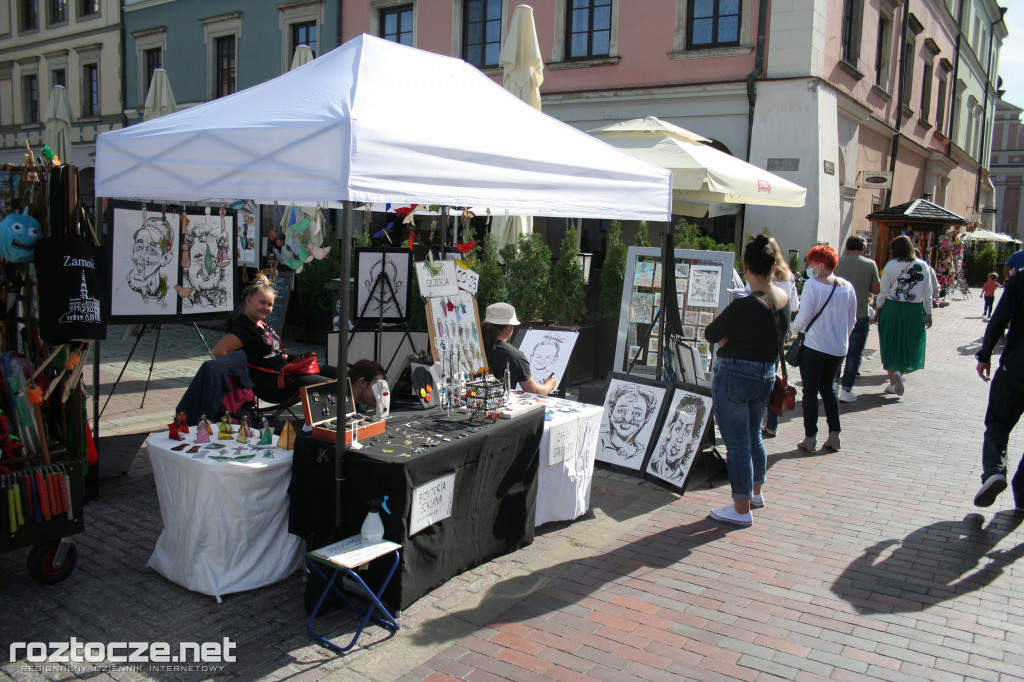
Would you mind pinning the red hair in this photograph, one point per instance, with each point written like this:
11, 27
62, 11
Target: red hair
824, 254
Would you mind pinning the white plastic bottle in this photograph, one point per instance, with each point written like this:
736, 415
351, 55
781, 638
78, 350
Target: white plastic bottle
373, 528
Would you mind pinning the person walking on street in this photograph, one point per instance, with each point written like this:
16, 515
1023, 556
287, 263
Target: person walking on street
827, 316
1005, 397
990, 287
862, 273
904, 312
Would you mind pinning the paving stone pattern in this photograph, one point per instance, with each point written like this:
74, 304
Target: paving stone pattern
869, 563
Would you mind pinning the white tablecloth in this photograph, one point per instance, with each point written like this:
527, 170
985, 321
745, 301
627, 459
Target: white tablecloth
225, 523
563, 487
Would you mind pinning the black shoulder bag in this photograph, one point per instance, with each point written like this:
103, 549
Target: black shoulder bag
796, 350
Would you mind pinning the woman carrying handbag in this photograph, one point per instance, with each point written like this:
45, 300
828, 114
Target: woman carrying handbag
827, 315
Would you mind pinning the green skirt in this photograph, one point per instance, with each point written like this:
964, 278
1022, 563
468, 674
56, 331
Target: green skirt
901, 336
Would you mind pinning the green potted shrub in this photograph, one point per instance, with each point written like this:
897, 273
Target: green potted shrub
529, 276
492, 287
568, 296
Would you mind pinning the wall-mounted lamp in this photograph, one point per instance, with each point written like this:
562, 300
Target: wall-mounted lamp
585, 260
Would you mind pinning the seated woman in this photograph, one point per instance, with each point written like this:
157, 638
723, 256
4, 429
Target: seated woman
263, 349
497, 329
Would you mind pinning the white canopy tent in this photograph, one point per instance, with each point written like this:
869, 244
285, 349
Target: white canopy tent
342, 128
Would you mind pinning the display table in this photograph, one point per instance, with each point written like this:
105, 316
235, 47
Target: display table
492, 495
225, 522
568, 449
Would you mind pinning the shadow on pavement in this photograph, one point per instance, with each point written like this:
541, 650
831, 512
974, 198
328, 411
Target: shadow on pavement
935, 563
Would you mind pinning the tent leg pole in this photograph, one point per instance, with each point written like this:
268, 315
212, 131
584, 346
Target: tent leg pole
344, 251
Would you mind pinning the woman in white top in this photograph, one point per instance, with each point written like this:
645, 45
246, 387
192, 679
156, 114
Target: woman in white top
825, 341
904, 312
785, 280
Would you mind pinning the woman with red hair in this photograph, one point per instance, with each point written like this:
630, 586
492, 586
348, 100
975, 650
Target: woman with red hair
828, 312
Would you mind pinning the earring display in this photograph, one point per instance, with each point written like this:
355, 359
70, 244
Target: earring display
320, 411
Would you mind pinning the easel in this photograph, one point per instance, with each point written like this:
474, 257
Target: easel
139, 331
387, 294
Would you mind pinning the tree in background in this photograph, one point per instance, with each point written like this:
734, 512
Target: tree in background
492, 287
613, 272
568, 297
529, 276
643, 237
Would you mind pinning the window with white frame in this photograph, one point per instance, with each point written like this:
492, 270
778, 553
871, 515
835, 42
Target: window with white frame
883, 46
682, 47
88, 8
940, 101
588, 28
908, 71
481, 32
853, 13
57, 12
150, 45
926, 91
30, 98
90, 90
59, 77
222, 34
300, 24
396, 24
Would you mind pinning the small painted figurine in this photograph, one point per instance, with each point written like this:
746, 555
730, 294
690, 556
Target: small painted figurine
172, 431
286, 441
225, 429
182, 422
203, 430
268, 434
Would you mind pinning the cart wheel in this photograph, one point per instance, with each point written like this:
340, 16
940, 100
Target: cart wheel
40, 563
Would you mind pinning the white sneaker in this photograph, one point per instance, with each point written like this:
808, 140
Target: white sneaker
890, 390
730, 515
899, 383
809, 444
847, 397
757, 502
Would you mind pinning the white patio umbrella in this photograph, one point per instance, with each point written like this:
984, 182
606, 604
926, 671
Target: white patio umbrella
303, 55
159, 99
521, 59
986, 236
703, 178
57, 133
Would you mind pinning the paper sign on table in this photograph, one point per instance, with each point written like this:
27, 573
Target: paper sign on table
431, 502
564, 442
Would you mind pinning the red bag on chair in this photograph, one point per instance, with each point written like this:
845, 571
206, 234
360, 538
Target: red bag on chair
300, 364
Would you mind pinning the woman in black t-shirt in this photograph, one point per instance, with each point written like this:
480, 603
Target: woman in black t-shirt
747, 334
497, 328
263, 349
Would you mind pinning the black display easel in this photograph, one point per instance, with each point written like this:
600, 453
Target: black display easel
380, 282
139, 333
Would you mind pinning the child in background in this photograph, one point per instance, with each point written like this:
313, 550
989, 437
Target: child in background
990, 293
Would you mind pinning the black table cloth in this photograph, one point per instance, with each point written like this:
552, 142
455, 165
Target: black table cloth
494, 501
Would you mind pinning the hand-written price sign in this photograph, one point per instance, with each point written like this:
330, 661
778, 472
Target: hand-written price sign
564, 442
431, 502
467, 279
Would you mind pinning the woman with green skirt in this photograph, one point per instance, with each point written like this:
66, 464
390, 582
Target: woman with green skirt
904, 312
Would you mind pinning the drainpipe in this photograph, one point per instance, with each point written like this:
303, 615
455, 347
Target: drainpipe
341, 8
762, 19
899, 100
984, 111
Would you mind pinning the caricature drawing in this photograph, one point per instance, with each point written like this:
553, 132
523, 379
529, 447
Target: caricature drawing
206, 278
382, 285
680, 438
704, 286
548, 351
152, 250
630, 410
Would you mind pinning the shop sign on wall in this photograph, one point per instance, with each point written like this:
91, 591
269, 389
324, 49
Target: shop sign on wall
431, 502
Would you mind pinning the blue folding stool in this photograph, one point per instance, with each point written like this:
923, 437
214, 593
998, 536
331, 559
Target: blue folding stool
341, 557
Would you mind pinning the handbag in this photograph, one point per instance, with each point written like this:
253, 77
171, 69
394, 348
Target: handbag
783, 396
796, 350
306, 363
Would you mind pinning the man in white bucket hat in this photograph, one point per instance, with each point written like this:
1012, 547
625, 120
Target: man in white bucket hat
498, 325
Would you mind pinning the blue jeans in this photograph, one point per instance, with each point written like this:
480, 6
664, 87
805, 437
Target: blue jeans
740, 390
858, 339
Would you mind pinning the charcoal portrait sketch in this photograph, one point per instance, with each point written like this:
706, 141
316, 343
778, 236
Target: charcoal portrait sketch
630, 414
680, 437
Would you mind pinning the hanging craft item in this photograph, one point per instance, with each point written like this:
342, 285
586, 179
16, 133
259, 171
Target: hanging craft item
182, 423
35, 399
10, 445
172, 431
286, 441
18, 235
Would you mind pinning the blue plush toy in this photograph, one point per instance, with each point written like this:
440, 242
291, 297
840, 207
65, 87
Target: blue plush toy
18, 235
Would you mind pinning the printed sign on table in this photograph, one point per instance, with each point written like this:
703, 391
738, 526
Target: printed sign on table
564, 442
431, 502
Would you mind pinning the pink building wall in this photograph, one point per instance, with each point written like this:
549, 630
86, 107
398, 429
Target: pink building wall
644, 44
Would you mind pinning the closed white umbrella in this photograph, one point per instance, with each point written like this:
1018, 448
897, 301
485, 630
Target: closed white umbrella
303, 55
703, 178
159, 99
524, 73
57, 133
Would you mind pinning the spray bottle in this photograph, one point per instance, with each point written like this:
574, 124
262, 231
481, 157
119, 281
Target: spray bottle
373, 530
